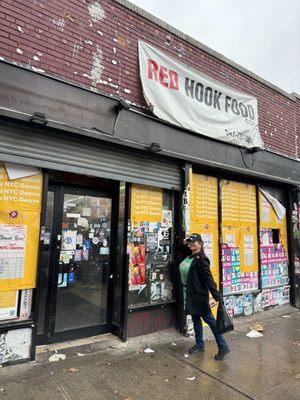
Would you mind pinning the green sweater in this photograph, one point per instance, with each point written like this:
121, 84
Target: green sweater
184, 268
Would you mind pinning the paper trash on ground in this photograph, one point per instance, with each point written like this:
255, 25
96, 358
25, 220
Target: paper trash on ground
148, 350
73, 369
57, 357
191, 379
254, 334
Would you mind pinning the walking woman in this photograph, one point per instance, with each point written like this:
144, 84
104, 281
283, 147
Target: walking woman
198, 282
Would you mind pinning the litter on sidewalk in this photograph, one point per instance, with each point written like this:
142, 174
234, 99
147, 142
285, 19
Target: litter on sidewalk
257, 327
148, 350
254, 334
57, 357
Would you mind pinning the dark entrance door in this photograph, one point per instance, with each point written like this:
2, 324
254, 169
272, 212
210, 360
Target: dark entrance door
78, 246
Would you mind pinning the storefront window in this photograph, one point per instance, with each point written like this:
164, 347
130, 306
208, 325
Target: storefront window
150, 246
239, 238
20, 208
204, 216
273, 247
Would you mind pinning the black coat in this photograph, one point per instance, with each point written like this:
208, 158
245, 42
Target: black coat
199, 283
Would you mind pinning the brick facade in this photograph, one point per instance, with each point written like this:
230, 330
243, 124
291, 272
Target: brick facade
94, 44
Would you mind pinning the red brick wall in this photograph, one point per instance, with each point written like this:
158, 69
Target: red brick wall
97, 48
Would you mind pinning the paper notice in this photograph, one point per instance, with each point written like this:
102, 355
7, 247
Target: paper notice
266, 210
79, 239
65, 256
26, 302
83, 222
166, 219
16, 171
230, 239
86, 212
12, 251
69, 239
208, 246
249, 250
265, 239
8, 304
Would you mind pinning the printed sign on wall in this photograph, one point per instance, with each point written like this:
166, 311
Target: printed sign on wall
20, 208
187, 98
8, 304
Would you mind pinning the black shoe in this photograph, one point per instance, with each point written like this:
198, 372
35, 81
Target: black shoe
222, 353
195, 349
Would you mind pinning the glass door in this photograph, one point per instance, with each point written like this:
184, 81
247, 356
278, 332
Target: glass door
79, 273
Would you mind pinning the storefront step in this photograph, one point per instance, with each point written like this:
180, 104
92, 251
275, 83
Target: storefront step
82, 346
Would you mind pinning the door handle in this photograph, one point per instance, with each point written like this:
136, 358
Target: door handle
105, 271
60, 266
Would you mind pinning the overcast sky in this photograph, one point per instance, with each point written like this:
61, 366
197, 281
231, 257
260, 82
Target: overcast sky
261, 35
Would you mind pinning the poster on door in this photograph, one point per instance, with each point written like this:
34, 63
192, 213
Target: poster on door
137, 268
208, 246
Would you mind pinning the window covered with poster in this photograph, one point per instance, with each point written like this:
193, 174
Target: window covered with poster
273, 247
204, 216
20, 208
252, 246
239, 237
150, 246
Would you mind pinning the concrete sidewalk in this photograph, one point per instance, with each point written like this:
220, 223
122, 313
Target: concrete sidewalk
261, 368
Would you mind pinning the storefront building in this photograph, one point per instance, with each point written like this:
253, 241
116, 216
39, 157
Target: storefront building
98, 189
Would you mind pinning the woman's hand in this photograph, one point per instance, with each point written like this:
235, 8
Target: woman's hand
213, 302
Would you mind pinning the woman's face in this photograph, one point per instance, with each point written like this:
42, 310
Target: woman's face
195, 247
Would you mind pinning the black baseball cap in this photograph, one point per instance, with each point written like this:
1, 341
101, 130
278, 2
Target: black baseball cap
194, 237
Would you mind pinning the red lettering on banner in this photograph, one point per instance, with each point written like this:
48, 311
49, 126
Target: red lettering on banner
174, 81
163, 74
166, 77
152, 69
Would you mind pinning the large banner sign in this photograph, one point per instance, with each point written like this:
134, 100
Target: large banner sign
187, 98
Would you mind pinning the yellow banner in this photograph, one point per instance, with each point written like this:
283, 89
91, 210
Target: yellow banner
146, 203
204, 199
239, 237
204, 216
238, 204
20, 209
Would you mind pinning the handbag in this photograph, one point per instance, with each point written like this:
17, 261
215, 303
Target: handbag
224, 321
